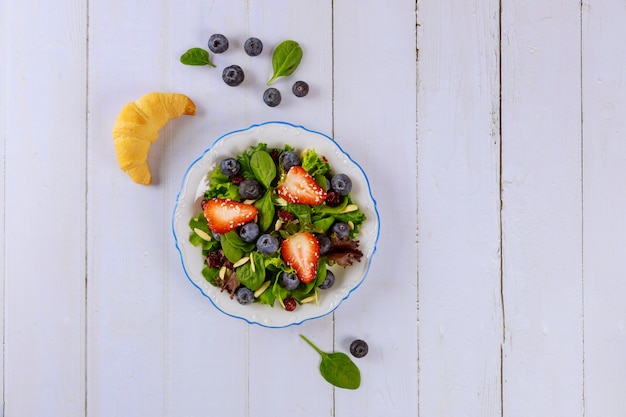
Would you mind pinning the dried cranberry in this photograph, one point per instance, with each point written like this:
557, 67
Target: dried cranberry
236, 179
290, 303
333, 199
215, 259
285, 216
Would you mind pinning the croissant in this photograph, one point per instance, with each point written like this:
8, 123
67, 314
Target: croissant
137, 128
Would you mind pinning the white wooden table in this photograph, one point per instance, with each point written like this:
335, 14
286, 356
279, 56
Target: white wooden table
494, 135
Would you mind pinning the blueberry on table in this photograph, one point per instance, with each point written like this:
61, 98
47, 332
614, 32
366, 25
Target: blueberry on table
329, 280
359, 348
288, 281
249, 232
272, 97
267, 244
230, 166
250, 189
244, 295
300, 89
218, 43
253, 46
233, 75
341, 229
341, 184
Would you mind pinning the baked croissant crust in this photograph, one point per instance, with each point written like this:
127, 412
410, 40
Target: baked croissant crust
137, 128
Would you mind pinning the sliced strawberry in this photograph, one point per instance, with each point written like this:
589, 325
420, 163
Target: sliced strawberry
299, 187
301, 251
225, 215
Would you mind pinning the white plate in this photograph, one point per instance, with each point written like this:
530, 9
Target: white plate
274, 134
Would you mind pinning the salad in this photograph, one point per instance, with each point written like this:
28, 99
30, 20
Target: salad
274, 223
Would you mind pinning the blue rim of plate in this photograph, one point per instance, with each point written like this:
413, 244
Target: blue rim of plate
369, 190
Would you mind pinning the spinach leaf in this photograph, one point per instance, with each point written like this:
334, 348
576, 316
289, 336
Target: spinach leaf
267, 297
252, 279
211, 274
337, 368
245, 157
322, 224
285, 59
233, 246
302, 213
266, 211
263, 167
196, 56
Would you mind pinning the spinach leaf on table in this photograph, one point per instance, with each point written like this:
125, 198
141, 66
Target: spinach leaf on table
337, 368
196, 56
285, 59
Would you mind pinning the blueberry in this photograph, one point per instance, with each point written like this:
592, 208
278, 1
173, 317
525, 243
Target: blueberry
216, 236
249, 232
341, 184
244, 295
218, 43
272, 97
289, 281
329, 280
300, 89
253, 46
233, 75
230, 166
267, 244
324, 242
341, 229
359, 348
250, 189
289, 159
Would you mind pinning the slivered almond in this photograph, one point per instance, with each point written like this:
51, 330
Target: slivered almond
240, 262
350, 224
204, 235
222, 272
261, 289
311, 298
278, 225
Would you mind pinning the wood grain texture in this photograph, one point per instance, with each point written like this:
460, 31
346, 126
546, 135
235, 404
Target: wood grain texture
4, 105
44, 202
127, 290
542, 211
604, 203
497, 160
460, 311
256, 362
384, 144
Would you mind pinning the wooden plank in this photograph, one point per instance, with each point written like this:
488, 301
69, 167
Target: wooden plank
542, 213
259, 363
460, 309
4, 105
281, 356
44, 207
127, 286
374, 69
604, 203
